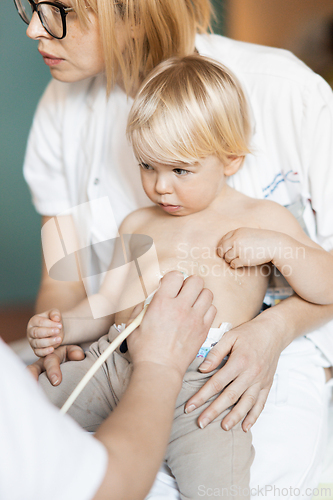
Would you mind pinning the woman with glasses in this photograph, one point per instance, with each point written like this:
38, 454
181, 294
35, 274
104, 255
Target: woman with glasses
98, 53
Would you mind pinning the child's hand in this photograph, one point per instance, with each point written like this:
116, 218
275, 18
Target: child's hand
45, 332
245, 247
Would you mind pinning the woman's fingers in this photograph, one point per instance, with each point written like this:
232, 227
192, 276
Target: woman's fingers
210, 316
175, 325
51, 363
203, 301
213, 386
135, 312
74, 353
244, 400
191, 290
244, 382
256, 410
171, 284
244, 405
36, 368
216, 355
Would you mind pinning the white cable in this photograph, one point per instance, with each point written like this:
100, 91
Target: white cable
98, 363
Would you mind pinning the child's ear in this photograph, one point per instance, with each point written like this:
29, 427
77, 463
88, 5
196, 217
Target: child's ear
233, 164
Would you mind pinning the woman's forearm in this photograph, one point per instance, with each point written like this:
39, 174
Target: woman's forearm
294, 317
137, 432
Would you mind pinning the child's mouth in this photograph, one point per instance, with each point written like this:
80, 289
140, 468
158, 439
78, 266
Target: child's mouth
169, 208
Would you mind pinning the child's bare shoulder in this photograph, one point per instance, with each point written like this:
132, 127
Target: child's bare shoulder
271, 215
263, 206
136, 219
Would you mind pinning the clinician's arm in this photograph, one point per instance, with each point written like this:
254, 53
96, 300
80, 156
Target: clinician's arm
136, 433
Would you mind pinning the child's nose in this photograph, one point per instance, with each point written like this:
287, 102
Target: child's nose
163, 185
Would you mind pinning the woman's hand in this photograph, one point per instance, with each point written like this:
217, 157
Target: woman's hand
51, 363
175, 325
254, 349
245, 247
45, 332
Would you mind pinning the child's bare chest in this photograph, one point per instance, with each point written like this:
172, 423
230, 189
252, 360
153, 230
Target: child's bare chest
190, 246
191, 243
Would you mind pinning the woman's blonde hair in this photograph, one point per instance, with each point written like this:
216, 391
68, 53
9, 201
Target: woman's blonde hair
187, 109
152, 31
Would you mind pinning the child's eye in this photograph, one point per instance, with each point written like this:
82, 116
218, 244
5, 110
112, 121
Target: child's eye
181, 171
145, 166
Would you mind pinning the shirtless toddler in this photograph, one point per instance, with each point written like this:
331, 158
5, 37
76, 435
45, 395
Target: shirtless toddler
190, 130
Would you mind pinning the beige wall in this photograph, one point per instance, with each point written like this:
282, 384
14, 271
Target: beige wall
273, 22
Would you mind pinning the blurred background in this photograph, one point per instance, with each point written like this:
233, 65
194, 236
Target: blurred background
303, 26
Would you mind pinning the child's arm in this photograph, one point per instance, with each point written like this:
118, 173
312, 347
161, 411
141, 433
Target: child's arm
305, 265
93, 316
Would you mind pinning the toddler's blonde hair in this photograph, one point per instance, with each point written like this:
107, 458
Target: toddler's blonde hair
187, 109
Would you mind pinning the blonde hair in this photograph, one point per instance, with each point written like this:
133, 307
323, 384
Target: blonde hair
152, 30
187, 109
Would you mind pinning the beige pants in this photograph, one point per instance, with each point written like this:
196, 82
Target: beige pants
205, 462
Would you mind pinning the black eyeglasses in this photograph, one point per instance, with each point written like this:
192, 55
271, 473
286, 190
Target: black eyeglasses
52, 15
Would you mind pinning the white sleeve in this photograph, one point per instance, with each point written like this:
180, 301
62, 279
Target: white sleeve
317, 148
43, 165
43, 455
